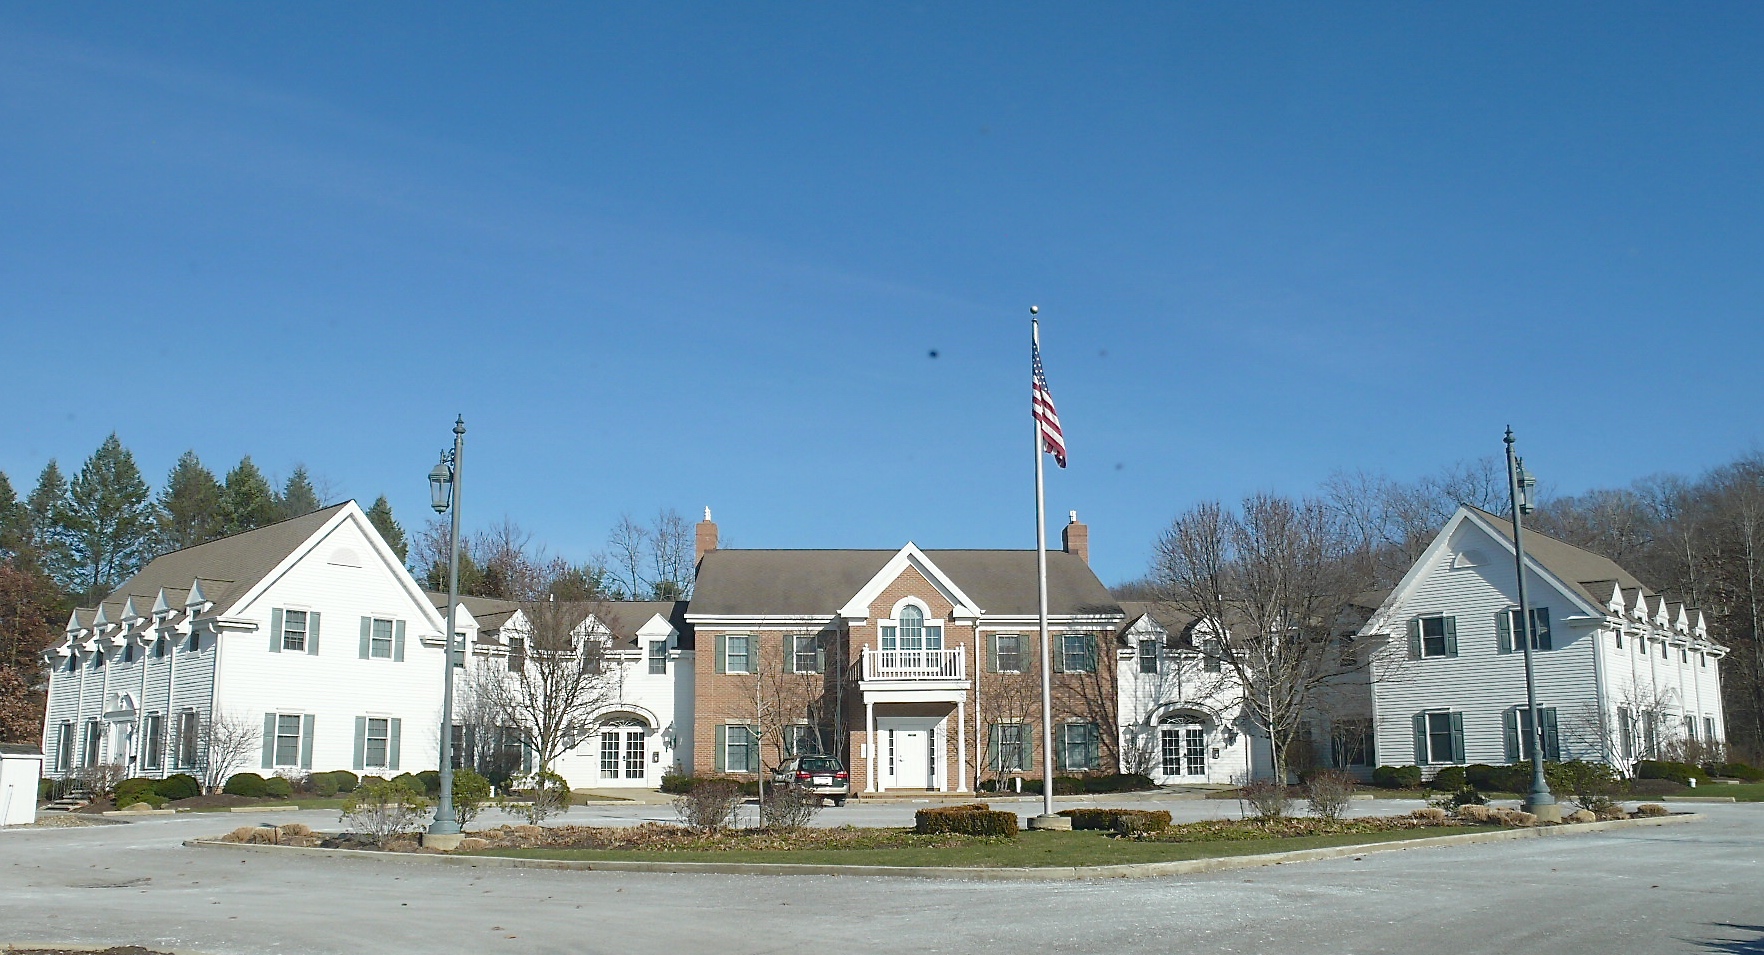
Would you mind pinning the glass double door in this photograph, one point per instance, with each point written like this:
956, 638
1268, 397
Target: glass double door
1184, 750
622, 752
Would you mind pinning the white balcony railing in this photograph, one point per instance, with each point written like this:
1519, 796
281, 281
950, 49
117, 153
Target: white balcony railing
915, 664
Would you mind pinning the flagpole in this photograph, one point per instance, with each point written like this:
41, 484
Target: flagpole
1047, 753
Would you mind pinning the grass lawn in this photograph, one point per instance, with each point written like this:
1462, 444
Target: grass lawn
1030, 849
1741, 792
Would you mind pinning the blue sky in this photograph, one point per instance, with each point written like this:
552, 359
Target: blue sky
777, 259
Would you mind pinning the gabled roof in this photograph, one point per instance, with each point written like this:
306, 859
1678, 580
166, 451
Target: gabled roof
1589, 573
625, 617
820, 582
244, 560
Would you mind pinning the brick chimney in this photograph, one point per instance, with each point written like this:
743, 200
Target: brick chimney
1076, 537
706, 538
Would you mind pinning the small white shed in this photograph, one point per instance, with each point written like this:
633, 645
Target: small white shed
20, 769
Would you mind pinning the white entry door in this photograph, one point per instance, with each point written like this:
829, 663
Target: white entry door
1184, 750
909, 758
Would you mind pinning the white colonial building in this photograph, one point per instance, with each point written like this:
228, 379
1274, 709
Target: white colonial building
310, 638
309, 632
1180, 706
1623, 673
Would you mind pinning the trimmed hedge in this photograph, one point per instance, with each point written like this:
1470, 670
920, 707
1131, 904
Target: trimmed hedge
249, 785
1100, 783
1449, 780
1750, 774
973, 819
1680, 773
1397, 777
675, 784
178, 786
1119, 820
278, 787
430, 782
139, 789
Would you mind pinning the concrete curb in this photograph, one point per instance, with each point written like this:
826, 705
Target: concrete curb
1137, 870
1724, 799
266, 808
65, 947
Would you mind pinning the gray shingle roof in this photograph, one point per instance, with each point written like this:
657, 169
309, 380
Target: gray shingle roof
1581, 568
228, 567
819, 582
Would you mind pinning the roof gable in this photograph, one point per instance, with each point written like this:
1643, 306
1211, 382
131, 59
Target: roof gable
858, 607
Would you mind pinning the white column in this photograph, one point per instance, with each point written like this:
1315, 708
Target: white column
870, 728
961, 746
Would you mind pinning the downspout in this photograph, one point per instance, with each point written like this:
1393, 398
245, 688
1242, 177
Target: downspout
1599, 693
979, 738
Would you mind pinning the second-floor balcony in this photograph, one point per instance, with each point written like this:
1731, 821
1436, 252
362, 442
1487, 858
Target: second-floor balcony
915, 664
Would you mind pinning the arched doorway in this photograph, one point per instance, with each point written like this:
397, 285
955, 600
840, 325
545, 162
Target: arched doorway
1182, 745
624, 749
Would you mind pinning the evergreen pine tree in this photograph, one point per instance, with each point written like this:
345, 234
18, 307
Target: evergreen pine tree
380, 515
41, 542
298, 496
11, 511
189, 505
247, 501
108, 520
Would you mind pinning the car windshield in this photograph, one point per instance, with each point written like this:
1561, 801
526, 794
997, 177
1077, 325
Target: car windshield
819, 764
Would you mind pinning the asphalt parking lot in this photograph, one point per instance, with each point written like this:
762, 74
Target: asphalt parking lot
1692, 888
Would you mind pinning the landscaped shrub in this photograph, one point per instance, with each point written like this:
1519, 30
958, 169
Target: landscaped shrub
1593, 787
1449, 779
249, 785
788, 808
975, 819
1750, 774
542, 795
1467, 796
1473, 814
430, 780
1266, 799
1118, 783
178, 786
1680, 773
276, 787
346, 780
323, 784
383, 810
1112, 820
674, 783
1653, 788
1506, 779
1650, 809
471, 793
411, 780
137, 790
370, 780
709, 804
1328, 792
1397, 777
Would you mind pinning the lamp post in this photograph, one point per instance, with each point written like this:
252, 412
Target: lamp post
444, 493
1520, 485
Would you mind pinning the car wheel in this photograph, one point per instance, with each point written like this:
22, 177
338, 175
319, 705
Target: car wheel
839, 802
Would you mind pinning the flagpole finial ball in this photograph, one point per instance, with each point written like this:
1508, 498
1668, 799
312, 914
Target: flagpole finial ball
1034, 309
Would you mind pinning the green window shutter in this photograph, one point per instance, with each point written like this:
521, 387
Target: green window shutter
722, 664
361, 742
753, 750
1092, 746
1090, 653
1451, 636
312, 633
398, 642
392, 744
1415, 638
992, 653
1061, 733
269, 740
1028, 735
526, 757
1421, 739
1057, 648
306, 723
992, 753
820, 657
1457, 737
1540, 622
276, 630
1504, 630
1552, 741
367, 636
719, 758
1510, 734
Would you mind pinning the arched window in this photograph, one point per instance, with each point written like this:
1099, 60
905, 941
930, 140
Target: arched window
912, 628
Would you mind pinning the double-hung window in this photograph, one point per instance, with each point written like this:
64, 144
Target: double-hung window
153, 743
287, 742
188, 734
1709, 730
517, 654
1008, 749
1433, 636
380, 639
1520, 738
64, 747
803, 739
1080, 747
1439, 737
377, 748
1077, 653
740, 749
1626, 732
658, 656
738, 654
805, 655
94, 743
1148, 654
1008, 652
294, 631
1212, 656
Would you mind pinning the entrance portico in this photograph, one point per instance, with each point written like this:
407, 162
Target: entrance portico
909, 702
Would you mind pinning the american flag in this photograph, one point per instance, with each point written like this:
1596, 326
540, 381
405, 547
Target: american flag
1046, 418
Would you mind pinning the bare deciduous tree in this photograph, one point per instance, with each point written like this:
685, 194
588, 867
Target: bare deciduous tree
552, 689
228, 743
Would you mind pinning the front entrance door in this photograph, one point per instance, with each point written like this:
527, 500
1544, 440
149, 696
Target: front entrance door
1184, 750
622, 753
909, 759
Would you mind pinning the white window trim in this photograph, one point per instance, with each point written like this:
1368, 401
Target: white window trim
1022, 650
1429, 714
305, 631
299, 740
367, 739
893, 621
748, 663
